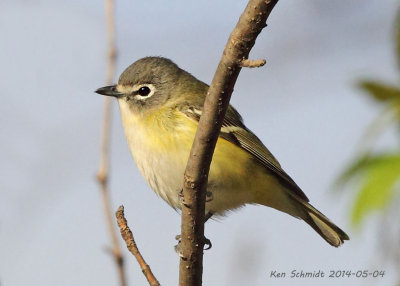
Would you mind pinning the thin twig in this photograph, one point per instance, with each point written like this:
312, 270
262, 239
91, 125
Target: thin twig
127, 235
246, 63
102, 175
240, 42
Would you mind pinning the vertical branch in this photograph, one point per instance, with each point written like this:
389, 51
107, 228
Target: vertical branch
102, 175
237, 49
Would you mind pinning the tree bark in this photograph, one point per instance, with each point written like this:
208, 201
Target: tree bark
237, 50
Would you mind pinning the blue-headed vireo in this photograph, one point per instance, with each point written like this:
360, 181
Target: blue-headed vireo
161, 105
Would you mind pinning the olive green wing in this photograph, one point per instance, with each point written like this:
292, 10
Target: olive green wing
234, 131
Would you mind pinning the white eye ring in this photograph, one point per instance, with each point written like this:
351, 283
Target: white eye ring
143, 91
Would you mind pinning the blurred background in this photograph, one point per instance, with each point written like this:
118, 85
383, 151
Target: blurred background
305, 105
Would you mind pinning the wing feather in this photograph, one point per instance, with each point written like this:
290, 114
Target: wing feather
234, 131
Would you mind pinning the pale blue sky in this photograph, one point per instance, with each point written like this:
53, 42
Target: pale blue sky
303, 105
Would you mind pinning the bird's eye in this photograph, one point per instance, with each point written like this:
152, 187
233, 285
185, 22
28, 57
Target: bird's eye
144, 91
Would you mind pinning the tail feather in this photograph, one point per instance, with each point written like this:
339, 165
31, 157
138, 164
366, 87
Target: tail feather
322, 225
286, 201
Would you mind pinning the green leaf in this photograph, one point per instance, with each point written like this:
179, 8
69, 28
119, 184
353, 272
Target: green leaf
380, 175
381, 92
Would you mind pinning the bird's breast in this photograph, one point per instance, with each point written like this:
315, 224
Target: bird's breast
160, 143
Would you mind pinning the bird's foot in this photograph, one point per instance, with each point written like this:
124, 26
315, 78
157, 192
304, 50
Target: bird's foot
182, 199
206, 242
177, 247
209, 196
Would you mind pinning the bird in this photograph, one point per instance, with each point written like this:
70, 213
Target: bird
160, 106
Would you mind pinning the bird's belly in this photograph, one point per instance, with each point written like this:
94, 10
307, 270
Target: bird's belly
163, 171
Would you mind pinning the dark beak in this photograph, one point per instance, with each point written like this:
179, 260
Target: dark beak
110, 90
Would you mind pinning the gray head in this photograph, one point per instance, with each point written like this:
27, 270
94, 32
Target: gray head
151, 82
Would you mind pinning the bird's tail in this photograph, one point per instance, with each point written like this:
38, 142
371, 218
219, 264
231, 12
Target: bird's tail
291, 203
321, 224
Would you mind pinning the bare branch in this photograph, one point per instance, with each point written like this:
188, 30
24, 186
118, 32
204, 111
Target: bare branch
102, 174
240, 42
246, 63
132, 247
